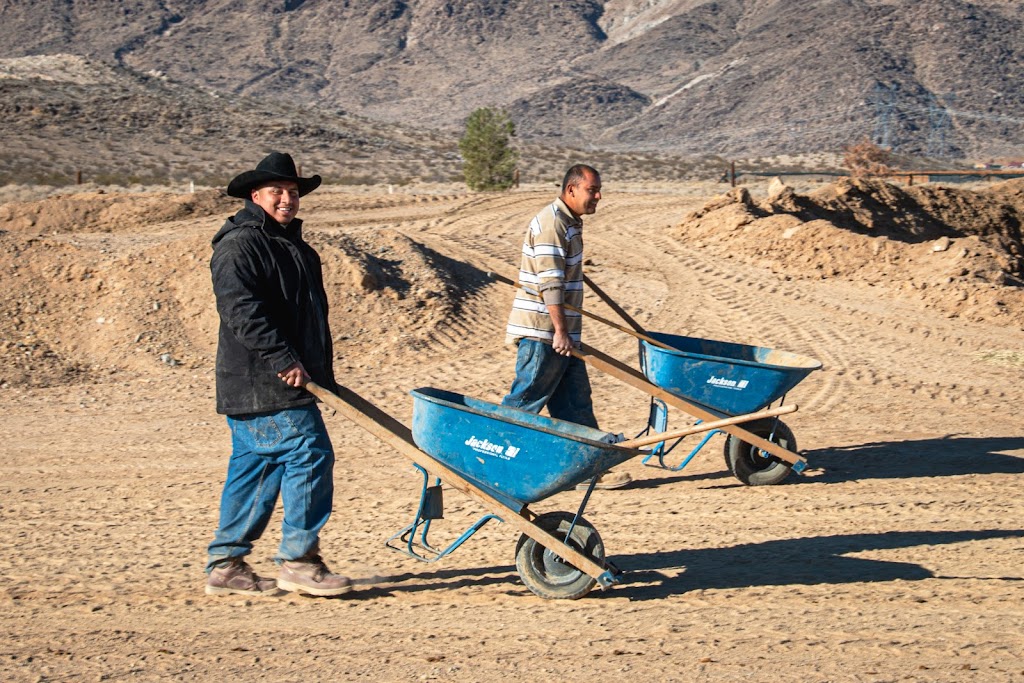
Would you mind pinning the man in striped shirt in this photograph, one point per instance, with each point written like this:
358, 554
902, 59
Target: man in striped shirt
551, 276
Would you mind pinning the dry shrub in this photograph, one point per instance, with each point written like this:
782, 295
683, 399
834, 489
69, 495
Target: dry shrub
865, 158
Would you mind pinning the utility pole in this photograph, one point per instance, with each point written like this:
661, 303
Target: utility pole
938, 124
885, 101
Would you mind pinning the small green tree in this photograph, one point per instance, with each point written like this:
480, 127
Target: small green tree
488, 160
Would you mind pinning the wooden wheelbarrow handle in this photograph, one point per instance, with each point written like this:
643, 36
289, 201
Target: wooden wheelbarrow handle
619, 311
705, 427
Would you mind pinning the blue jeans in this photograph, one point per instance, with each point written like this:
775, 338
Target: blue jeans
286, 452
545, 378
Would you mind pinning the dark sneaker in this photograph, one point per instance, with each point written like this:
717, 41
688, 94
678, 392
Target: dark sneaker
311, 577
608, 480
235, 577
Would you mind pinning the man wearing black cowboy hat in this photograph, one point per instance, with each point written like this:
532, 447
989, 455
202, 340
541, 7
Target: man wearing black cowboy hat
273, 338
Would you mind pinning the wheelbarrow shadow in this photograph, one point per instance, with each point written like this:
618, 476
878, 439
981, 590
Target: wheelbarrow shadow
948, 456
653, 576
655, 482
800, 561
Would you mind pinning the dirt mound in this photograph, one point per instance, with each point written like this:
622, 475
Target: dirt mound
103, 212
388, 293
957, 250
129, 294
78, 312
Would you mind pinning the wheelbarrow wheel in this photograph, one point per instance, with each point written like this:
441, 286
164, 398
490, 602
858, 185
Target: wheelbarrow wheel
547, 574
747, 463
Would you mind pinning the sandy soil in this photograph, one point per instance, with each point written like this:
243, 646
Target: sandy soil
897, 557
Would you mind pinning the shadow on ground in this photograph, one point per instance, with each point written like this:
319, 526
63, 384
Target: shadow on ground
797, 561
789, 562
947, 456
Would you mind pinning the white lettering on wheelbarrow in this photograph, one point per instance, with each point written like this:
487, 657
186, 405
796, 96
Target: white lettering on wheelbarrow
489, 448
728, 383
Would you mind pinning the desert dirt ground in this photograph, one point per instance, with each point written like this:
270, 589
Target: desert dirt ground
898, 555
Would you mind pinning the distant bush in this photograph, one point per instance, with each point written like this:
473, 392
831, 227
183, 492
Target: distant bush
865, 158
489, 161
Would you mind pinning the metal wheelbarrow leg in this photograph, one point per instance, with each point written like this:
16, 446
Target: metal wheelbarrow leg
431, 507
657, 423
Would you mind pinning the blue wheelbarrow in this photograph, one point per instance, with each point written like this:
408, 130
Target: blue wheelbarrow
506, 459
519, 458
726, 379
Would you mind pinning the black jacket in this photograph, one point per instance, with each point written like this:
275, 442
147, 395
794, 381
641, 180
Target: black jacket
273, 312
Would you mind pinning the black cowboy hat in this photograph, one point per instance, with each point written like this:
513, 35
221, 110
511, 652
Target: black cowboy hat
274, 166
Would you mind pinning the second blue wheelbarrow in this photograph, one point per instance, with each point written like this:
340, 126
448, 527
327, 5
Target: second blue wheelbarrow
726, 379
711, 381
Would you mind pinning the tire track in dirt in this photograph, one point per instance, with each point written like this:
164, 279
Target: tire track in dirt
670, 287
489, 233
830, 329
403, 210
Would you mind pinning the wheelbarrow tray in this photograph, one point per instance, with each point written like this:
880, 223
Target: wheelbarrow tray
725, 377
517, 456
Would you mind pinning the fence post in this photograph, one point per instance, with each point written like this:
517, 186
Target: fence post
78, 177
732, 174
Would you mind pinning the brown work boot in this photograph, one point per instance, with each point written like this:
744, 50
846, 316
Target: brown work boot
311, 577
236, 577
608, 480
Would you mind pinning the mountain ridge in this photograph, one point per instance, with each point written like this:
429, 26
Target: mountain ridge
729, 77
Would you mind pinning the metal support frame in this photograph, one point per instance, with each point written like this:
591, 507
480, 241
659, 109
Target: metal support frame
431, 507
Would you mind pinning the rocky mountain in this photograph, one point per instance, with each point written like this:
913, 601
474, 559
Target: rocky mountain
68, 119
66, 116
729, 77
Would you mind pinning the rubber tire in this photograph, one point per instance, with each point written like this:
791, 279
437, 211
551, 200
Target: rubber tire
745, 461
546, 574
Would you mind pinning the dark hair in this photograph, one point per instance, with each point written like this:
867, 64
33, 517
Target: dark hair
577, 173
